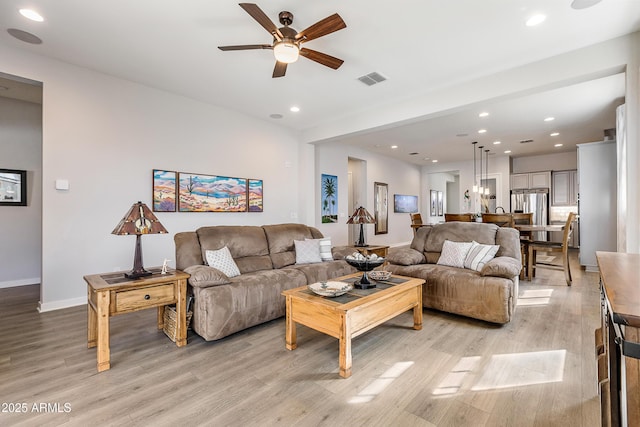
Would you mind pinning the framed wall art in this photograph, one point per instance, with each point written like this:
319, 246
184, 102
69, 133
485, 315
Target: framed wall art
433, 203
440, 204
405, 204
329, 198
164, 191
13, 187
254, 195
211, 193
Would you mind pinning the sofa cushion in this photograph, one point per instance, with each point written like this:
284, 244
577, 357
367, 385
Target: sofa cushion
280, 239
221, 259
323, 270
307, 251
420, 238
454, 254
247, 244
479, 255
203, 276
405, 256
506, 267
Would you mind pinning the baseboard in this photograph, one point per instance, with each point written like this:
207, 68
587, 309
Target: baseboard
23, 282
60, 304
592, 268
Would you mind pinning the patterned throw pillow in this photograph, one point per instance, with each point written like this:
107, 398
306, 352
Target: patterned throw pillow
479, 255
307, 251
325, 248
454, 253
223, 261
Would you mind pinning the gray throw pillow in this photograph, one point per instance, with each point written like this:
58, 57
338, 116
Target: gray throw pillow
502, 266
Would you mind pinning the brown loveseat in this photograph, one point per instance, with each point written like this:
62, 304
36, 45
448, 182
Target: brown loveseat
266, 259
490, 294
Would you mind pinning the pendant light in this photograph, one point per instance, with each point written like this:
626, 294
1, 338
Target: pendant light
475, 178
481, 188
486, 181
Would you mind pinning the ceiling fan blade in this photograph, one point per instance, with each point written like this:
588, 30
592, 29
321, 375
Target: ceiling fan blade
280, 69
246, 47
321, 28
257, 14
321, 58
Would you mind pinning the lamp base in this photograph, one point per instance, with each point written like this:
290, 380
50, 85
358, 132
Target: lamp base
137, 274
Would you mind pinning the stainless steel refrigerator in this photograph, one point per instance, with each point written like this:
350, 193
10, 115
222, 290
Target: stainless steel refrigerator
536, 201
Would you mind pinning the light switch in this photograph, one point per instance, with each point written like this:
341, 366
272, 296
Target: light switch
62, 184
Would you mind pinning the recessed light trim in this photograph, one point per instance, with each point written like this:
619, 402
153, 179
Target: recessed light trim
24, 36
394, 147
275, 116
535, 20
294, 109
497, 142
507, 151
558, 145
549, 119
434, 161
483, 114
554, 134
482, 131
31, 14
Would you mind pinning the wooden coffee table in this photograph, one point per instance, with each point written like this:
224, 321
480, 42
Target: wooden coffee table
349, 315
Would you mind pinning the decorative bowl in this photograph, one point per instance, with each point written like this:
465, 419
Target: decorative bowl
366, 264
379, 275
330, 289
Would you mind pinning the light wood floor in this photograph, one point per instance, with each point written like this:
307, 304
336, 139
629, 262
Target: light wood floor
538, 370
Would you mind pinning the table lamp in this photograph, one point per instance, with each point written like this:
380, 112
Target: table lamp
362, 217
138, 220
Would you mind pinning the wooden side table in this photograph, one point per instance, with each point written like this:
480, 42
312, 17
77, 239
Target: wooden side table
109, 294
381, 251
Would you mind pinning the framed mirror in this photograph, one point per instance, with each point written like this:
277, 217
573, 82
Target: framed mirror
381, 201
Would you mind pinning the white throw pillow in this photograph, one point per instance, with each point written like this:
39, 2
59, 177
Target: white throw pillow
307, 251
479, 255
223, 261
325, 248
454, 253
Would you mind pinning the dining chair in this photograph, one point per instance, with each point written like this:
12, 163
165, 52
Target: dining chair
462, 217
562, 247
416, 221
525, 238
501, 220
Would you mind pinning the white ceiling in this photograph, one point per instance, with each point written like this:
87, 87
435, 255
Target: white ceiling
420, 45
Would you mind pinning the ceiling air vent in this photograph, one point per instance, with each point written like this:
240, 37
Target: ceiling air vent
526, 141
413, 154
372, 78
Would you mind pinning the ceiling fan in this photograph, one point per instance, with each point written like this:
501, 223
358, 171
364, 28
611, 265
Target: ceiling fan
287, 42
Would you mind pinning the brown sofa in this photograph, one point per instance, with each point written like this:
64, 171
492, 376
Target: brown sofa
266, 259
490, 294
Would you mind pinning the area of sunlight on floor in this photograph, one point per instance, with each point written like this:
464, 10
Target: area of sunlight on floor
378, 385
534, 297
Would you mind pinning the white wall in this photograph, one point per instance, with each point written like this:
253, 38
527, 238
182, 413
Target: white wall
20, 226
402, 178
105, 136
547, 162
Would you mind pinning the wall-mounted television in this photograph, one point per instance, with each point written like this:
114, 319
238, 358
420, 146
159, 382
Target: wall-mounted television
405, 204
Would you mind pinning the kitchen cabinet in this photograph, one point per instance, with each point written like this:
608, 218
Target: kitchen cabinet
524, 181
564, 188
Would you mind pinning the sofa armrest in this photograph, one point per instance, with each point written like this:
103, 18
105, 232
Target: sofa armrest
405, 256
203, 276
502, 266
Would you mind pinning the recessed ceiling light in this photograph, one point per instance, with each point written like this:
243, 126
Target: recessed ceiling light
294, 109
275, 116
549, 119
583, 4
507, 151
482, 131
483, 114
434, 161
535, 20
554, 134
394, 146
558, 145
24, 36
31, 14
460, 135
496, 142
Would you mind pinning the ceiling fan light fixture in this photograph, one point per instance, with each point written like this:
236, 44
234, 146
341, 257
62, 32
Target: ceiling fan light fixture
286, 51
